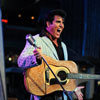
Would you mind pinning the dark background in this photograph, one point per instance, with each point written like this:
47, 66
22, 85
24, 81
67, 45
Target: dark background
81, 35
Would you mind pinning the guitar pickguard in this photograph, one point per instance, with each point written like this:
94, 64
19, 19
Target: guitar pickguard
60, 72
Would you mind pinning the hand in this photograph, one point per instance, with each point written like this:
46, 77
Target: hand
78, 92
38, 53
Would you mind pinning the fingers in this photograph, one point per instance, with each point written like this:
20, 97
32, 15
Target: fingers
37, 53
80, 98
78, 92
79, 95
81, 87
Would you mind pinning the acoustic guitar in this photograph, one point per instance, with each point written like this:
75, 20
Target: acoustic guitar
40, 81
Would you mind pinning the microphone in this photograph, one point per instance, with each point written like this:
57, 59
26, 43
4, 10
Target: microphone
31, 40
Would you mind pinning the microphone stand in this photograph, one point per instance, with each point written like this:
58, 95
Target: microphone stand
31, 40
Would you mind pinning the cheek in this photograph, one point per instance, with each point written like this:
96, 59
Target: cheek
53, 29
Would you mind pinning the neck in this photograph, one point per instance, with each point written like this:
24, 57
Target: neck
54, 40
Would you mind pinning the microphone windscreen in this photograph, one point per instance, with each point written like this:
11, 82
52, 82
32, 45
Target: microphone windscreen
30, 39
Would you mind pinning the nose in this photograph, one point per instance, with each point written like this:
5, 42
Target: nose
62, 25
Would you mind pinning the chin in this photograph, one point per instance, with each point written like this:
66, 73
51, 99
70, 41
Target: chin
57, 37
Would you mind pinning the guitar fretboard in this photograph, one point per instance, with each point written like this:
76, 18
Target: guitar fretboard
83, 76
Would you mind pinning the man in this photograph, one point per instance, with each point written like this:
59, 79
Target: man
50, 44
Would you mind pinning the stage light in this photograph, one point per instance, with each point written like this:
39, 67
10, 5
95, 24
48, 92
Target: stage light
99, 83
19, 15
5, 20
10, 59
32, 17
84, 68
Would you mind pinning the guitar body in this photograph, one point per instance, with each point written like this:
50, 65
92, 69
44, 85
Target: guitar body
40, 81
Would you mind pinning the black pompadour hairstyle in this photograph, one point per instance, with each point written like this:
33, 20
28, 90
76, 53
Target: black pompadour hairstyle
50, 15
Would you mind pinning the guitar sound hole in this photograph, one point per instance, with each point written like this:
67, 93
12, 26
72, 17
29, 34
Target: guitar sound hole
62, 75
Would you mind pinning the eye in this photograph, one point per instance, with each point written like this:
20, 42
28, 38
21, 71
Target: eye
58, 21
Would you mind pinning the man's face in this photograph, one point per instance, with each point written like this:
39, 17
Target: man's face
56, 27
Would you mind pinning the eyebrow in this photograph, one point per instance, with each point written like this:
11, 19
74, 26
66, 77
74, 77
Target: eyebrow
59, 21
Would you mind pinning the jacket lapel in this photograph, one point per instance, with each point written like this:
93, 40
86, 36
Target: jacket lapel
50, 46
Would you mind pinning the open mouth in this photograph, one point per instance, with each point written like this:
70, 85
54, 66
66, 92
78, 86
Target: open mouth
58, 30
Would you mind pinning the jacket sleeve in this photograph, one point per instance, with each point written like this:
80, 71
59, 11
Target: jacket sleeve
26, 58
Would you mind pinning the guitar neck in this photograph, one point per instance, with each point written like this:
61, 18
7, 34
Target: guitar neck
82, 76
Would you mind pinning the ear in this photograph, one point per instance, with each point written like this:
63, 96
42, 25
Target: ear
48, 23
